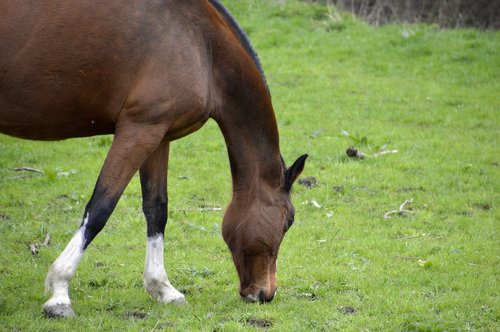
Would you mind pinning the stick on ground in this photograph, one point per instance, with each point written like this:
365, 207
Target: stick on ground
402, 211
34, 247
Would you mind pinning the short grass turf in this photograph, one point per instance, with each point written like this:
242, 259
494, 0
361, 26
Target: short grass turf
433, 95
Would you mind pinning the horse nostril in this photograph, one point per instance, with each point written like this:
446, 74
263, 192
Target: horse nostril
262, 297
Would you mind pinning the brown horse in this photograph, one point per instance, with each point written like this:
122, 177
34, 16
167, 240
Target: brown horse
148, 72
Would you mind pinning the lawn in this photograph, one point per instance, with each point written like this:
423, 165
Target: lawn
433, 95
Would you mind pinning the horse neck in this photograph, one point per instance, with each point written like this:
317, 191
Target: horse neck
243, 107
252, 140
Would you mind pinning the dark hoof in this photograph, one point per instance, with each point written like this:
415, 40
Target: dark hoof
61, 310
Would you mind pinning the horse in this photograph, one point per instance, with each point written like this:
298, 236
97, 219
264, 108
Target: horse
149, 72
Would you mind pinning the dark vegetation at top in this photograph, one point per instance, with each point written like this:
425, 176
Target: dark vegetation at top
483, 14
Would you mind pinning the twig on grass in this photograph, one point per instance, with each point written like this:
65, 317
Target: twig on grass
210, 209
352, 152
409, 258
28, 169
383, 153
35, 246
416, 236
402, 211
154, 327
410, 237
202, 209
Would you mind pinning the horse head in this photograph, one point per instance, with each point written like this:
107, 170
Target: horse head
254, 225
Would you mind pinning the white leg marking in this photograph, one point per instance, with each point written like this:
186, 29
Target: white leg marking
63, 269
155, 277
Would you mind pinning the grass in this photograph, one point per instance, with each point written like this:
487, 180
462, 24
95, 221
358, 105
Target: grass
431, 94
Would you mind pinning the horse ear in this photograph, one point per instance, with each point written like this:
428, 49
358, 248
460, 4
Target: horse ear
293, 172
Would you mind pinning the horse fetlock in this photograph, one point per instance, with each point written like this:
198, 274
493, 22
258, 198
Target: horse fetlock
57, 281
173, 296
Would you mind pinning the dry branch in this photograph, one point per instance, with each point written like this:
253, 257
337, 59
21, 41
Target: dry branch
34, 246
28, 169
352, 152
402, 211
383, 153
202, 209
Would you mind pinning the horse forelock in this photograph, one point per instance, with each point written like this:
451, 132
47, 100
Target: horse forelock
241, 35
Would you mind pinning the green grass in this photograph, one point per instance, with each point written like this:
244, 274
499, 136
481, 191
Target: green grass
431, 94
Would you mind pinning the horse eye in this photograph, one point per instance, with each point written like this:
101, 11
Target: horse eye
288, 224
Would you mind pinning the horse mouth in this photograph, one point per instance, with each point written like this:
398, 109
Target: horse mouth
259, 297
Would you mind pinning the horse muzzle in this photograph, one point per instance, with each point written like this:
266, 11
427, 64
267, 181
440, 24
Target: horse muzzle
260, 296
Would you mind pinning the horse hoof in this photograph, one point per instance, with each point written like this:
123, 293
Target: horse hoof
58, 311
180, 301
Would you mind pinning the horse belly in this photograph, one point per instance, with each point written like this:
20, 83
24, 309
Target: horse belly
50, 108
44, 101
43, 124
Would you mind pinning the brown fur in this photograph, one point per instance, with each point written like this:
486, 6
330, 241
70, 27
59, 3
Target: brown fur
150, 72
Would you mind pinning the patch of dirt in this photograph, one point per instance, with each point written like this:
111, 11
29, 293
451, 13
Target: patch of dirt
483, 206
338, 189
260, 323
309, 182
135, 315
164, 325
467, 213
348, 310
410, 189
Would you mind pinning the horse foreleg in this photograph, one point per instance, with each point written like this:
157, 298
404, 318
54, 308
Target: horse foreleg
155, 204
131, 146
60, 274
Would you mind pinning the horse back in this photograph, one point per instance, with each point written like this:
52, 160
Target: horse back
68, 68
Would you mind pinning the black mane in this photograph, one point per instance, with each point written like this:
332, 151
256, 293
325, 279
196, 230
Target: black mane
242, 36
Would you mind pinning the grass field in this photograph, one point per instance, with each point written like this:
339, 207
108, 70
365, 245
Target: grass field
433, 95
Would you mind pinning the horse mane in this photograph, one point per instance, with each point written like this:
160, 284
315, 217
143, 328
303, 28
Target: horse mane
241, 35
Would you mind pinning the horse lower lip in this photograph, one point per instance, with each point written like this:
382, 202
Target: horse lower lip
260, 297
